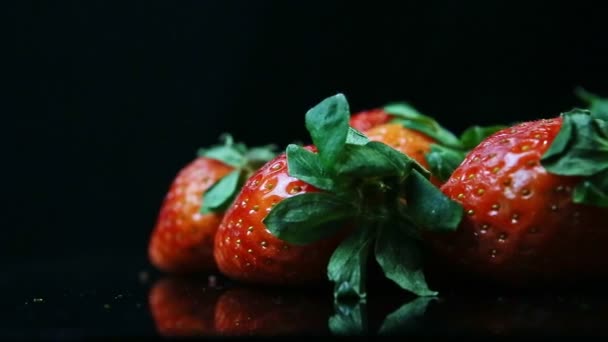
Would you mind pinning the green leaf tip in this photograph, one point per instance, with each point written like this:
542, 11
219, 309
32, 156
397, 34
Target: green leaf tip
244, 160
327, 123
309, 217
237, 154
581, 149
598, 106
219, 196
347, 266
400, 258
306, 165
429, 208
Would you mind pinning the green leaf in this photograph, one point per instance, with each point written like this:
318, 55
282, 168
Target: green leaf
306, 166
348, 264
374, 159
443, 161
400, 258
597, 105
226, 154
580, 148
474, 135
355, 137
592, 191
406, 318
428, 207
411, 118
219, 196
349, 319
327, 124
309, 217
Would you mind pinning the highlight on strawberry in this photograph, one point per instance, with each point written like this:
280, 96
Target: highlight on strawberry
182, 238
321, 210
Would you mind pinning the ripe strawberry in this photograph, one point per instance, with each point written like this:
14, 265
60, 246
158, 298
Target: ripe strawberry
318, 210
183, 307
365, 120
249, 311
422, 138
182, 239
246, 250
535, 198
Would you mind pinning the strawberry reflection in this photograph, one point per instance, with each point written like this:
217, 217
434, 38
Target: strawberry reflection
255, 311
183, 307
359, 317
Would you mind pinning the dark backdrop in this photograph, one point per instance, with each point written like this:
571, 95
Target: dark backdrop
106, 101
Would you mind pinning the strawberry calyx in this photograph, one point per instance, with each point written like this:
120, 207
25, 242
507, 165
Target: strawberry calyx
580, 149
449, 150
384, 193
244, 160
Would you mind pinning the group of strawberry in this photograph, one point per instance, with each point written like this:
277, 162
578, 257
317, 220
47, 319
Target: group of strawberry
520, 204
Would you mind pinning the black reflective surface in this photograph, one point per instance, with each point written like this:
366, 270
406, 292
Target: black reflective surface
124, 297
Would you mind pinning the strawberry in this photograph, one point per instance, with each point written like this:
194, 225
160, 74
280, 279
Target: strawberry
320, 211
421, 137
182, 239
246, 250
183, 307
535, 196
243, 311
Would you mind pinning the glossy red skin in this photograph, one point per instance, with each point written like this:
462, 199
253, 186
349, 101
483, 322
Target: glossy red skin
246, 251
520, 223
364, 120
182, 239
183, 307
410, 142
249, 311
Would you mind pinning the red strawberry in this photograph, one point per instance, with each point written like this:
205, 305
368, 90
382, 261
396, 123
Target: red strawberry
534, 197
365, 120
324, 210
183, 307
246, 250
182, 239
258, 312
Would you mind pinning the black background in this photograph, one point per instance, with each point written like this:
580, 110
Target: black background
106, 101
